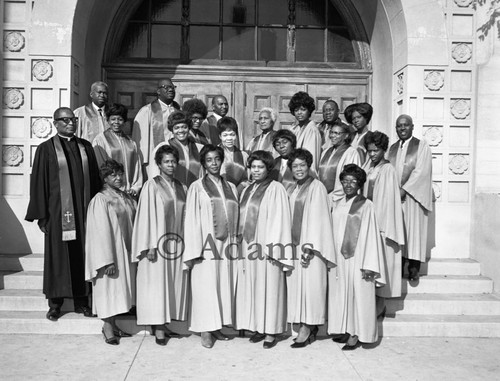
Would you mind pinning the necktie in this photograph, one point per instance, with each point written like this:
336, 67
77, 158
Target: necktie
101, 121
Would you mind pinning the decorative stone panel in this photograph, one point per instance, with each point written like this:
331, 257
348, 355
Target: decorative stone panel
400, 84
434, 80
12, 156
436, 189
433, 135
13, 41
42, 70
460, 108
458, 164
461, 52
41, 128
463, 3
13, 98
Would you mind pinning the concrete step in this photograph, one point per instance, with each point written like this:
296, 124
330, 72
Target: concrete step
19, 262
440, 326
444, 304
30, 280
451, 266
23, 300
448, 284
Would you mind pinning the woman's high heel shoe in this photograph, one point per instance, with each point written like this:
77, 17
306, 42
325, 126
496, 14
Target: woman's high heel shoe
118, 332
112, 340
159, 341
310, 339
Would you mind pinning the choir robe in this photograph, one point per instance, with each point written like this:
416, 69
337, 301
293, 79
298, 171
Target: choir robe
350, 156
209, 128
110, 219
261, 288
199, 137
417, 204
64, 261
90, 123
387, 203
162, 285
263, 142
309, 138
240, 170
213, 280
358, 142
325, 128
351, 300
307, 286
282, 173
121, 148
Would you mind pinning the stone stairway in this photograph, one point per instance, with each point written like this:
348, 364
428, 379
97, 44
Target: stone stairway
451, 299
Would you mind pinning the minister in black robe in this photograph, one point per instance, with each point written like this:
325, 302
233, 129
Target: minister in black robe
64, 264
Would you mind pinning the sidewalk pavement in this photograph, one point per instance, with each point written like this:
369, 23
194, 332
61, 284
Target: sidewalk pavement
87, 357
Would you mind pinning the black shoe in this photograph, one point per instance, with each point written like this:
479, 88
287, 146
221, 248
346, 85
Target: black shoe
85, 310
382, 314
220, 336
257, 337
53, 314
207, 340
170, 333
241, 333
342, 338
118, 332
158, 341
112, 340
348, 347
270, 344
414, 276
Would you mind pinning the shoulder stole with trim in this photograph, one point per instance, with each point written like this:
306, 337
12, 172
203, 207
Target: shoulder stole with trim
372, 180
67, 207
353, 226
187, 175
236, 170
157, 123
224, 225
328, 168
111, 140
249, 209
410, 158
174, 223
298, 209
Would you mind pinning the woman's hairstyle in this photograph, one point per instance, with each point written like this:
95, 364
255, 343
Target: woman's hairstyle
178, 117
117, 109
365, 109
272, 113
301, 99
354, 171
263, 156
109, 167
378, 138
346, 129
285, 134
195, 106
210, 148
301, 154
166, 150
226, 123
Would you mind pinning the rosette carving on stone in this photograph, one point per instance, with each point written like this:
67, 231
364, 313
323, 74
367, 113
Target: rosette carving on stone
13, 98
458, 164
13, 41
42, 70
461, 52
434, 80
460, 108
433, 136
463, 3
436, 188
12, 156
400, 84
41, 128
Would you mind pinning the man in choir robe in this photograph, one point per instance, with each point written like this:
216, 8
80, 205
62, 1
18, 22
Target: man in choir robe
64, 179
330, 119
92, 117
412, 159
150, 124
220, 108
284, 142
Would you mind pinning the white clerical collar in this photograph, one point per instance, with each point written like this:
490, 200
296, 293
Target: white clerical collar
164, 105
67, 138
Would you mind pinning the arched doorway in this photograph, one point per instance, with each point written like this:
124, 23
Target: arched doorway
256, 53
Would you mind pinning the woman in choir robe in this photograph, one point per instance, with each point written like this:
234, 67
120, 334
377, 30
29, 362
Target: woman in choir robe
352, 315
334, 158
265, 230
359, 115
189, 168
157, 245
234, 166
383, 190
197, 111
301, 106
210, 229
264, 141
284, 143
314, 253
110, 218
114, 144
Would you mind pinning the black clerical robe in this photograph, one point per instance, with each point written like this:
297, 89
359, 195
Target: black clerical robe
64, 263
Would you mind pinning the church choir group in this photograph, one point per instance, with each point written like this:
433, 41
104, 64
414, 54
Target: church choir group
307, 225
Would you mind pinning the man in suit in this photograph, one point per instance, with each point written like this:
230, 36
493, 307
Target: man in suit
92, 117
220, 108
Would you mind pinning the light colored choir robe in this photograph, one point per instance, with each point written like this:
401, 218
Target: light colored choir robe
350, 156
387, 202
351, 299
307, 286
358, 142
90, 123
213, 280
121, 148
309, 138
110, 218
142, 132
162, 285
229, 161
261, 288
418, 202
263, 142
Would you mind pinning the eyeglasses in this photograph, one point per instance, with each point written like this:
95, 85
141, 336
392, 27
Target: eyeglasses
337, 133
195, 118
167, 87
66, 120
351, 182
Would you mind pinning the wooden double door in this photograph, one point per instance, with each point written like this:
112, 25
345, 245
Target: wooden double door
247, 90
